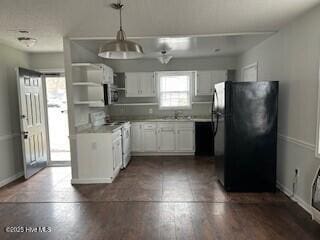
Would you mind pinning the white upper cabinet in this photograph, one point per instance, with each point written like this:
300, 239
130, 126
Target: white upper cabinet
140, 84
206, 79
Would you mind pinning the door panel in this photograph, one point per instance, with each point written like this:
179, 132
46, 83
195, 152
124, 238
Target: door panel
185, 140
32, 121
132, 84
166, 140
147, 84
149, 140
136, 137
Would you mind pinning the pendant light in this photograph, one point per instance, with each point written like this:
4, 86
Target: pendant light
121, 48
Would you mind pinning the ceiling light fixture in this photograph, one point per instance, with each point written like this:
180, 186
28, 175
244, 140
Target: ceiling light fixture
27, 41
164, 58
121, 48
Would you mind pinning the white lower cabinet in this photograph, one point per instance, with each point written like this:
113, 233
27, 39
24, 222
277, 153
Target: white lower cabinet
136, 137
117, 152
163, 137
99, 157
185, 138
149, 137
166, 137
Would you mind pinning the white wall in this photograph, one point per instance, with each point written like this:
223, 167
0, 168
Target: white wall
10, 145
43, 61
292, 57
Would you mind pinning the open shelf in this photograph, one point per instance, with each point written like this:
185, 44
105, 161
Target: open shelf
201, 102
88, 102
91, 66
88, 84
135, 104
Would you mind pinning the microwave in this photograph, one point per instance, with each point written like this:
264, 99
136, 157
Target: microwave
111, 94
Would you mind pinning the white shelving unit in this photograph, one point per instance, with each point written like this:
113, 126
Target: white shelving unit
86, 84
87, 65
135, 104
201, 103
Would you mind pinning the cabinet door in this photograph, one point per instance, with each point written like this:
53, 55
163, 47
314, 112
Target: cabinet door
119, 154
136, 137
185, 140
132, 84
204, 83
166, 138
219, 76
114, 154
147, 84
149, 140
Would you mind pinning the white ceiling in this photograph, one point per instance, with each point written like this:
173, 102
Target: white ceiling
50, 20
182, 47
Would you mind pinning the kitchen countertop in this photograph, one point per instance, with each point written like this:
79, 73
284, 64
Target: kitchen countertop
100, 129
172, 120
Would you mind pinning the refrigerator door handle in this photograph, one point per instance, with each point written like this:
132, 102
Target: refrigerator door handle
214, 112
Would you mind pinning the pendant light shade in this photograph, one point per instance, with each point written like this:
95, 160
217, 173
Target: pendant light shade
121, 48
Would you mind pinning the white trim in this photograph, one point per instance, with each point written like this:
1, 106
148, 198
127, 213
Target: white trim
253, 65
50, 70
297, 199
315, 215
177, 36
317, 148
136, 154
9, 136
90, 180
298, 142
191, 75
11, 179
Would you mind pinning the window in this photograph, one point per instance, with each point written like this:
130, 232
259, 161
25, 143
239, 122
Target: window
174, 90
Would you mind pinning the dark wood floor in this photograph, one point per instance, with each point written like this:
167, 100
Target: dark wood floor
154, 198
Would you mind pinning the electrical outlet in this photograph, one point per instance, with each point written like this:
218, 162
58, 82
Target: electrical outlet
150, 110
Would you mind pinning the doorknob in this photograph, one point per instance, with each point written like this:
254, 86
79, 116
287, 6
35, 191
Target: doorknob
25, 135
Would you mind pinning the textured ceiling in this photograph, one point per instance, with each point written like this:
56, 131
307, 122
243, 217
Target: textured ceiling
50, 20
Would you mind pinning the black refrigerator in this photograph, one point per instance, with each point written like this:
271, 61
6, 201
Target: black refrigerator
245, 125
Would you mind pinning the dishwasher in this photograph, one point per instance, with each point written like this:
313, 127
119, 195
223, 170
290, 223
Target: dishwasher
204, 139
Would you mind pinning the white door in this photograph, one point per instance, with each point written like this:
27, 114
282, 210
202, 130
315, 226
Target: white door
132, 84
147, 84
149, 140
166, 138
204, 83
185, 140
32, 121
136, 137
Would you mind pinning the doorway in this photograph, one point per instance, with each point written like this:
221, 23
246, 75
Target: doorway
57, 119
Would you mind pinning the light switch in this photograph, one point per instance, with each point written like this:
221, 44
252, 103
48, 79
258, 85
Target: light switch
94, 146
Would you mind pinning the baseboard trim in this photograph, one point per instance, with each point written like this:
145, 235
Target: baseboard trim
315, 215
91, 180
297, 199
11, 179
140, 154
298, 142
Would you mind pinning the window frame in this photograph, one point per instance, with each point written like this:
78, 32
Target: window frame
175, 73
317, 146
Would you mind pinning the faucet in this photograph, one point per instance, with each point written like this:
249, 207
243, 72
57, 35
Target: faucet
177, 114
